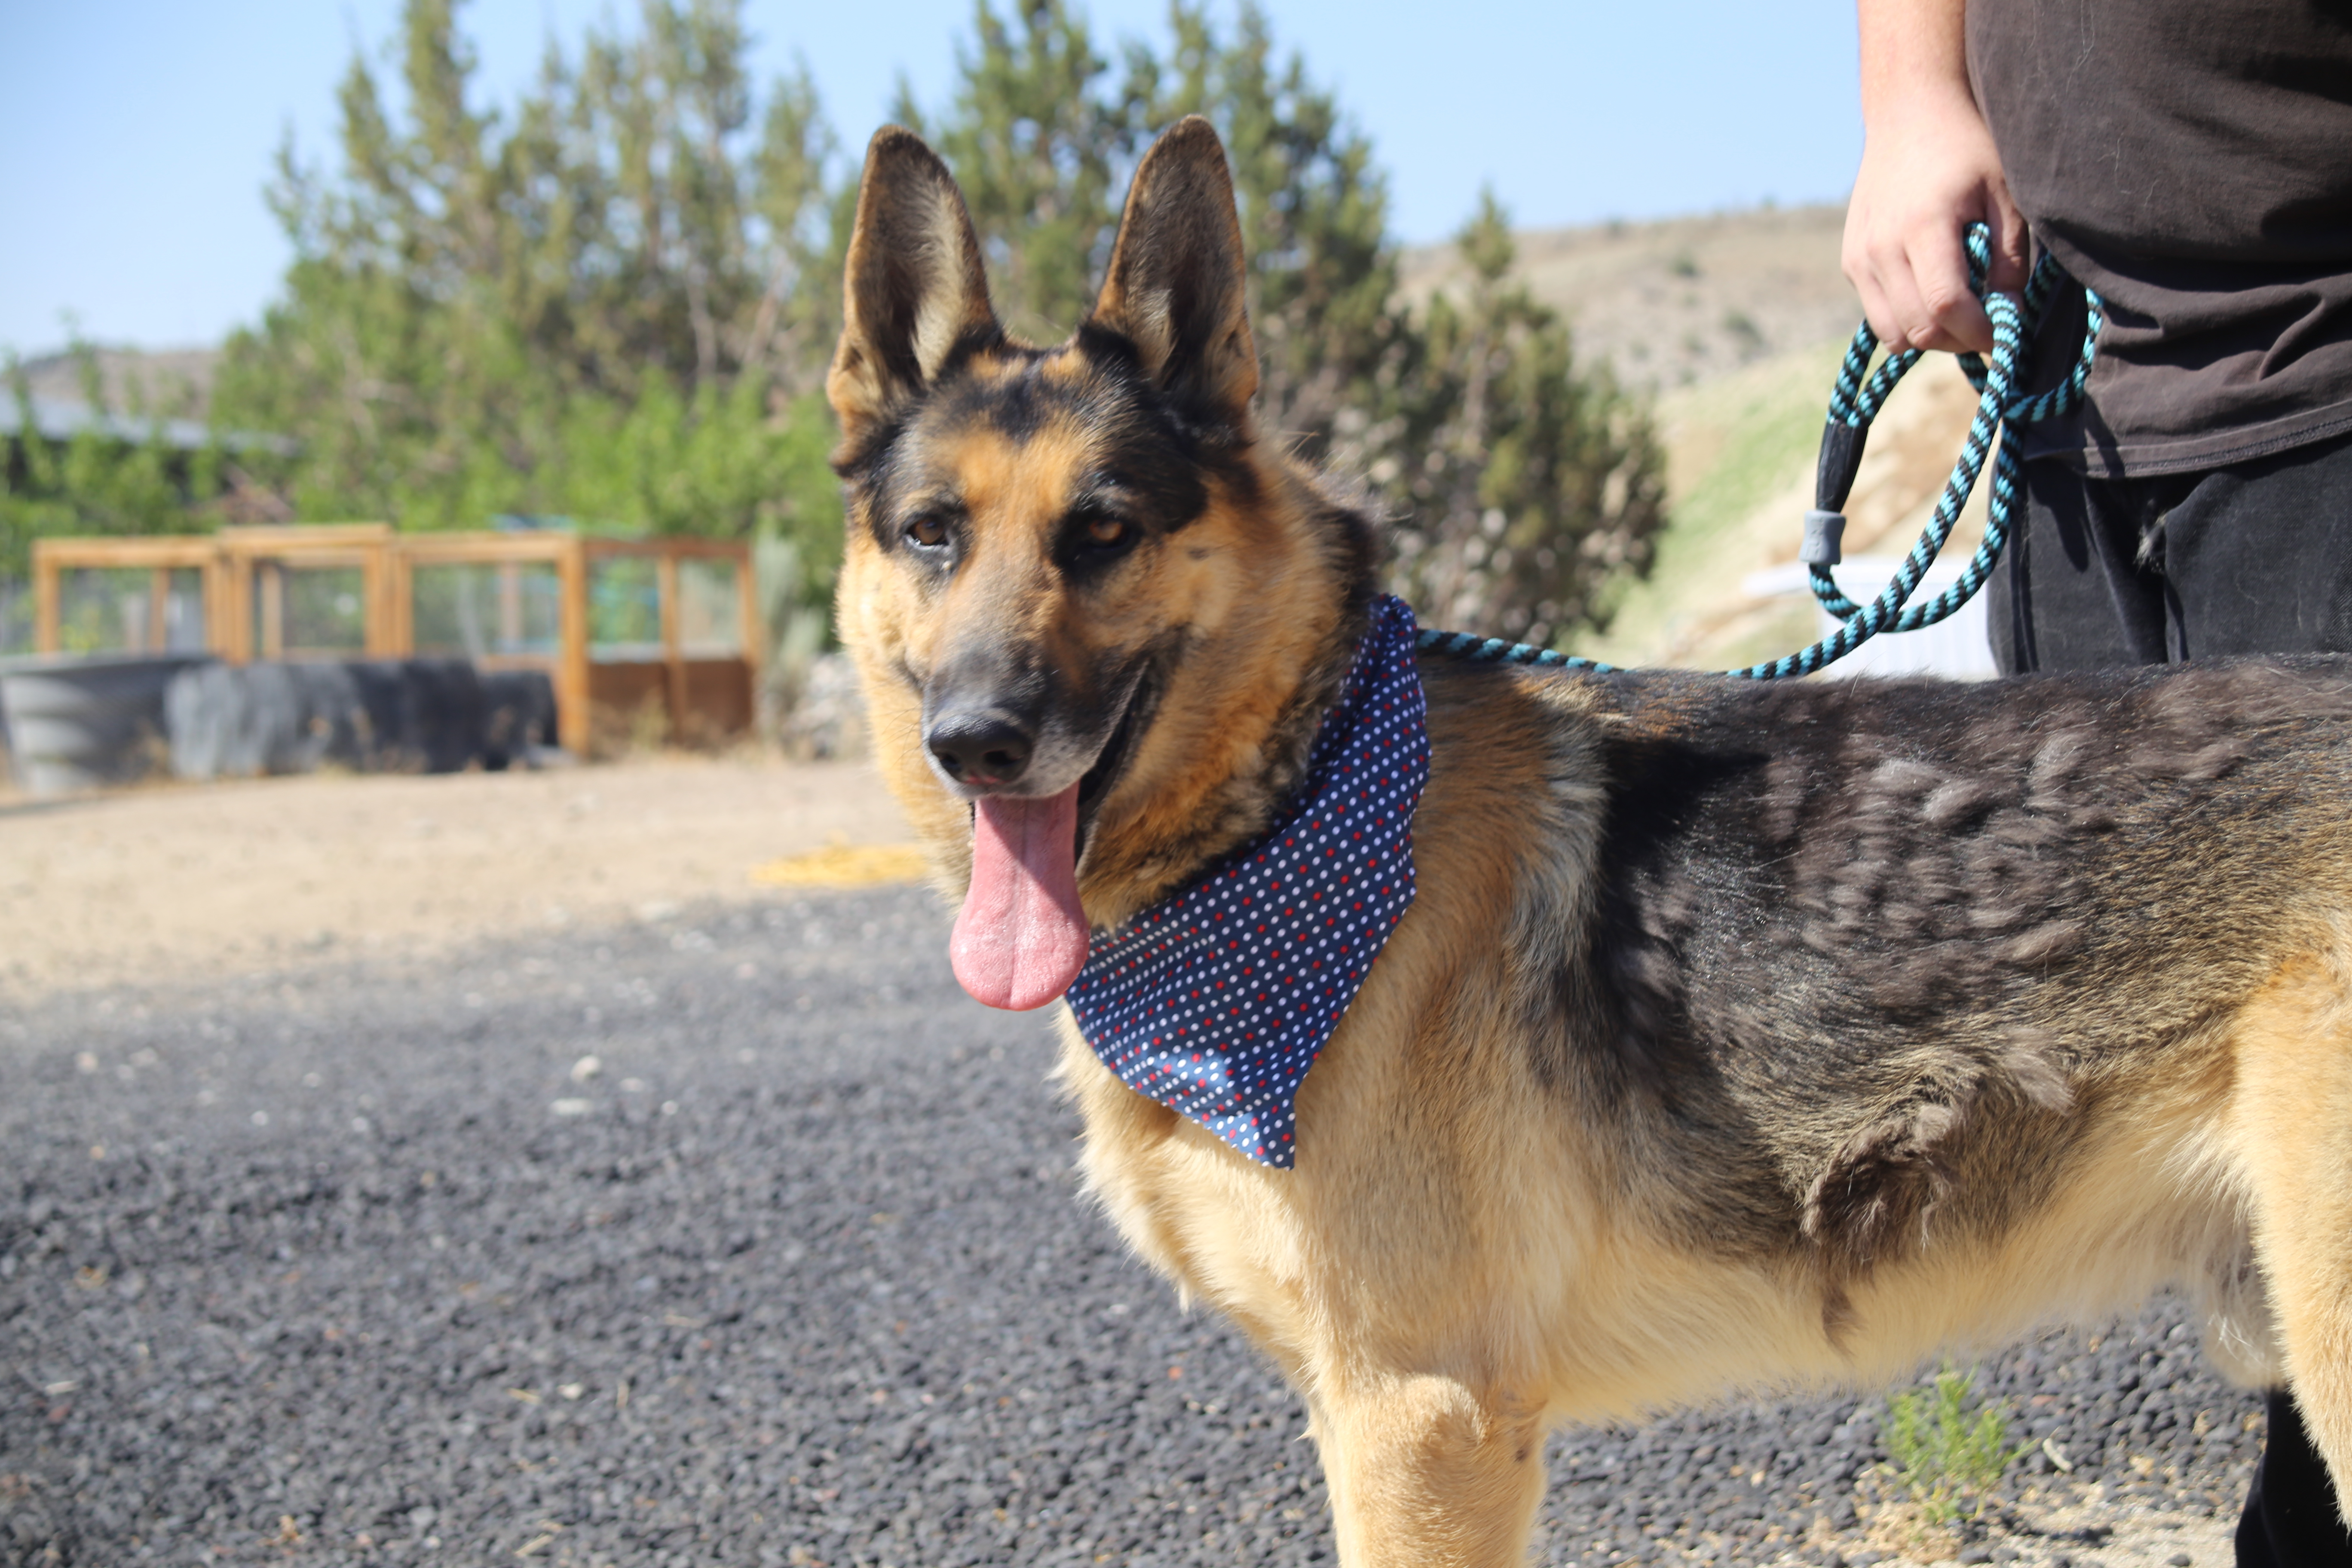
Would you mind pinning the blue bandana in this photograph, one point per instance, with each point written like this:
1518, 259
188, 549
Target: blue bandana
1216, 1001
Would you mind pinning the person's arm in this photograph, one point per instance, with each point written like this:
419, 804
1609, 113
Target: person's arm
1929, 170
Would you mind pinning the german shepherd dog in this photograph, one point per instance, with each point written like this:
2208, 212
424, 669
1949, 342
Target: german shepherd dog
1740, 1034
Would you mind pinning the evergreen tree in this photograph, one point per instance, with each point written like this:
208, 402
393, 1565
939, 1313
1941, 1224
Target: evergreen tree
1314, 215
609, 303
1042, 139
1040, 149
1524, 484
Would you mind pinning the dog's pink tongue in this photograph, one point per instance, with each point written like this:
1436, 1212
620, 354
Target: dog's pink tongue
1022, 937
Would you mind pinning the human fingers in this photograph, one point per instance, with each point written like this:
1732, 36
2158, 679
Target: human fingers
1902, 252
1876, 256
1862, 270
2012, 240
1905, 296
1944, 313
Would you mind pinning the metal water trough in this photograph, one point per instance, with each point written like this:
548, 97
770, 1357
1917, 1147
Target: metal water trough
81, 723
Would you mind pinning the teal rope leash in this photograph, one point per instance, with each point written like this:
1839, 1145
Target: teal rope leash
1855, 402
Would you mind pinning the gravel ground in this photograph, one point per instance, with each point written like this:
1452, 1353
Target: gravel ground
366, 1263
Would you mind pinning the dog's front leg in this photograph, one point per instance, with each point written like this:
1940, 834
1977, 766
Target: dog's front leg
1426, 1473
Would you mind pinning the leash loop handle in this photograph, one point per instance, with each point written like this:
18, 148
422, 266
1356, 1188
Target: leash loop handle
1999, 412
1855, 402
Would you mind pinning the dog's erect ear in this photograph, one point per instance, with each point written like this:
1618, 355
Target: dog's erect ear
915, 291
1176, 284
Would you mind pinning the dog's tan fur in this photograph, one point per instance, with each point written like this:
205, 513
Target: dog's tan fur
2051, 1000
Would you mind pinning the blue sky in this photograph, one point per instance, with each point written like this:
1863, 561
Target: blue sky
135, 136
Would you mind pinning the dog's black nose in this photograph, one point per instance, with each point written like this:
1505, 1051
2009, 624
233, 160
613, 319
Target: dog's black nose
981, 748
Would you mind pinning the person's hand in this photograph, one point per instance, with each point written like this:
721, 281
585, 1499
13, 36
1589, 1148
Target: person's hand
1929, 170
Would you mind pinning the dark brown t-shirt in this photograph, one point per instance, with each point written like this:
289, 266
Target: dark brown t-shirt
2190, 160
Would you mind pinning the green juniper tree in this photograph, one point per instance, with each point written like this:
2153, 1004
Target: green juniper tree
1040, 149
1525, 484
610, 302
1314, 215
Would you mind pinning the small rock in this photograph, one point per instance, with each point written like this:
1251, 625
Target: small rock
2181, 1559
825, 716
573, 1107
586, 1067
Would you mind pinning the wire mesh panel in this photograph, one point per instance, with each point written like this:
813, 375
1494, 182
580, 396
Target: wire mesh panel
184, 611
102, 610
710, 609
125, 609
625, 609
487, 610
309, 610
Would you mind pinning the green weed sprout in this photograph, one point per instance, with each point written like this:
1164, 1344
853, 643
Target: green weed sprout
1950, 1448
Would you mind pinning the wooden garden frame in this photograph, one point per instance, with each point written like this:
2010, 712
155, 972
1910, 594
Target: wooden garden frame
702, 694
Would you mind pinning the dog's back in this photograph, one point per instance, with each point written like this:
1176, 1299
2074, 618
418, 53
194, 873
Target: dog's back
1902, 927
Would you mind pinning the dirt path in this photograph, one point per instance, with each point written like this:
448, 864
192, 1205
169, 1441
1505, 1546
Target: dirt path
184, 880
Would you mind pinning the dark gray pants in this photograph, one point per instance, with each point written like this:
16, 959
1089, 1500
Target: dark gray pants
2253, 558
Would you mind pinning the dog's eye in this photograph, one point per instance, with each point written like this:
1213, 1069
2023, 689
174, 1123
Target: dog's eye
1106, 533
927, 530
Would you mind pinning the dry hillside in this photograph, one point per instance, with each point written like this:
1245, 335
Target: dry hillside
1685, 301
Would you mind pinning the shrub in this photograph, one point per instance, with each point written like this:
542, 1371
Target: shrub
1950, 1448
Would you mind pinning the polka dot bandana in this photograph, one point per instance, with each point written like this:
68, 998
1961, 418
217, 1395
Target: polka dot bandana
1216, 1001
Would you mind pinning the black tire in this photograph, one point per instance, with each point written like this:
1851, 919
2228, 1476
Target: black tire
272, 732
327, 718
448, 712
380, 741
420, 715
518, 713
